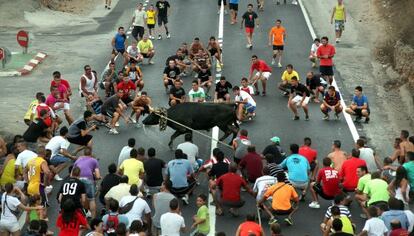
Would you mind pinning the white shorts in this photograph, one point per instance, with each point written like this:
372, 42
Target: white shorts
297, 99
66, 106
8, 226
265, 74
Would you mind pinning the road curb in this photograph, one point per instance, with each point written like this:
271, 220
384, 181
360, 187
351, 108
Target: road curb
28, 68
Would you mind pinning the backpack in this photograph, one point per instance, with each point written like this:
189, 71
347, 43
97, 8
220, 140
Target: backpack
111, 224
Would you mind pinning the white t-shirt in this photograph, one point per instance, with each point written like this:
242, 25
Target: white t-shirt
367, 154
56, 144
12, 203
139, 208
171, 224
24, 157
133, 52
139, 18
124, 154
262, 184
190, 149
314, 48
375, 227
410, 217
243, 95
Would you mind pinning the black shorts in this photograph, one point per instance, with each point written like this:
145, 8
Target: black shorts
81, 140
117, 51
145, 55
224, 1
278, 47
313, 165
358, 111
319, 190
233, 6
138, 31
132, 60
162, 20
108, 113
282, 212
151, 26
326, 70
126, 100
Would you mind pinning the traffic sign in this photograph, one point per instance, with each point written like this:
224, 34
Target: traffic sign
23, 39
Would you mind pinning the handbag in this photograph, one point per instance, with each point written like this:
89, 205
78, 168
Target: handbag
14, 212
125, 209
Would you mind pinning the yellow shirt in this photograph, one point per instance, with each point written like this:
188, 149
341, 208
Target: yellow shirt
144, 47
287, 77
32, 105
132, 168
340, 12
150, 17
34, 174
8, 173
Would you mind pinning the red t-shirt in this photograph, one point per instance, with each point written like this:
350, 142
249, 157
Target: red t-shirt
253, 164
399, 232
323, 50
249, 228
126, 87
329, 177
63, 87
309, 153
62, 81
73, 227
349, 172
230, 185
260, 65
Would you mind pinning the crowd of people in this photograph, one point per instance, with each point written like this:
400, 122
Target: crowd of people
118, 203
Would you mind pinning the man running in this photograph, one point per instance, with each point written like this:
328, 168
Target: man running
331, 102
249, 20
234, 8
325, 53
119, 45
359, 106
339, 15
245, 104
263, 73
139, 20
299, 96
162, 16
277, 38
219, 6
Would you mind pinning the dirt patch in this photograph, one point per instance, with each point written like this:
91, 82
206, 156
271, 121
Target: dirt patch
81, 7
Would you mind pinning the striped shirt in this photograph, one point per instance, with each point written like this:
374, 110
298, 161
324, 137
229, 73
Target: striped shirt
274, 169
344, 211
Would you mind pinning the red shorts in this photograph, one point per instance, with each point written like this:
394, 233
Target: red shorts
48, 121
249, 30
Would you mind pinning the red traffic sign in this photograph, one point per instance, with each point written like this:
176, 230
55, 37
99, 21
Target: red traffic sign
23, 38
1, 54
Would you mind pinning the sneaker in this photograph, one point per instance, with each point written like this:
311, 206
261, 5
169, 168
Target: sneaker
109, 8
314, 65
168, 35
295, 3
113, 131
306, 117
159, 37
151, 62
286, 94
88, 214
108, 125
263, 94
279, 65
238, 122
273, 61
106, 7
314, 205
367, 120
48, 189
251, 46
363, 216
117, 124
247, 45
196, 76
138, 125
233, 212
272, 220
185, 199
337, 117
133, 120
257, 93
326, 117
358, 119
296, 118
58, 178
289, 221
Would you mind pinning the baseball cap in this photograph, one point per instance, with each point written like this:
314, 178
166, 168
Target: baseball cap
275, 139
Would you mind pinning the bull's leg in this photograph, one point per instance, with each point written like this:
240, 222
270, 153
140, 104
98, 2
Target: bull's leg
235, 130
175, 135
226, 131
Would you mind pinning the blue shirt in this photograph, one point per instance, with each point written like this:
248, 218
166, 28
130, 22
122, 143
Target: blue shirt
234, 1
409, 167
298, 167
120, 41
399, 215
178, 170
360, 101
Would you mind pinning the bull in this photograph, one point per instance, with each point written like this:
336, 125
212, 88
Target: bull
197, 116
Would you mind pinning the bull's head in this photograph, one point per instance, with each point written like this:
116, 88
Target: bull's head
151, 119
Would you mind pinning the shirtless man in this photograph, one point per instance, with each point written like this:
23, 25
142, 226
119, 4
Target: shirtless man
337, 155
195, 47
405, 145
140, 106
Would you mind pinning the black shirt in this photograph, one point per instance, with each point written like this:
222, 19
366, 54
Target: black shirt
173, 58
177, 93
72, 188
313, 82
274, 150
223, 90
341, 234
204, 76
107, 183
162, 7
300, 90
110, 104
218, 169
153, 171
36, 129
172, 72
249, 18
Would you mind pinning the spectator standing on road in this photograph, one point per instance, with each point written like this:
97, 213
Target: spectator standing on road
151, 20
146, 48
126, 151
28, 117
325, 53
191, 150
60, 156
359, 106
134, 54
395, 212
139, 20
37, 174
110, 180
234, 8
59, 104
250, 21
240, 144
163, 12
409, 167
113, 219
140, 209
172, 223
339, 15
399, 187
313, 57
263, 74
119, 44
331, 102
38, 131
263, 183
273, 167
171, 74
24, 156
196, 94
161, 202
251, 164
110, 74
277, 38
72, 188
299, 97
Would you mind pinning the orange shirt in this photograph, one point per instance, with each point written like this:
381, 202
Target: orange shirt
278, 35
281, 198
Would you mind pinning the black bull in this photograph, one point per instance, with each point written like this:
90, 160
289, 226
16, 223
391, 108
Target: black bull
198, 116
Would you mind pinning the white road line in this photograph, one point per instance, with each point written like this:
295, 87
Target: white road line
348, 118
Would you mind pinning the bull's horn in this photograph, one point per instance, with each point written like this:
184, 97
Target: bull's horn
150, 108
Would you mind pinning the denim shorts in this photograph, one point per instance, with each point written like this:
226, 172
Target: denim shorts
89, 187
59, 159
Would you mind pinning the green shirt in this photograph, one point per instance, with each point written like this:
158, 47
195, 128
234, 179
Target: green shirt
347, 225
202, 213
377, 191
362, 182
409, 167
196, 96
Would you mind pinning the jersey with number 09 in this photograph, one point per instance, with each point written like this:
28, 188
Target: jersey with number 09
34, 175
72, 188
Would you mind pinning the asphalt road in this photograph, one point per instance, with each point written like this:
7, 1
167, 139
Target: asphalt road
194, 18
